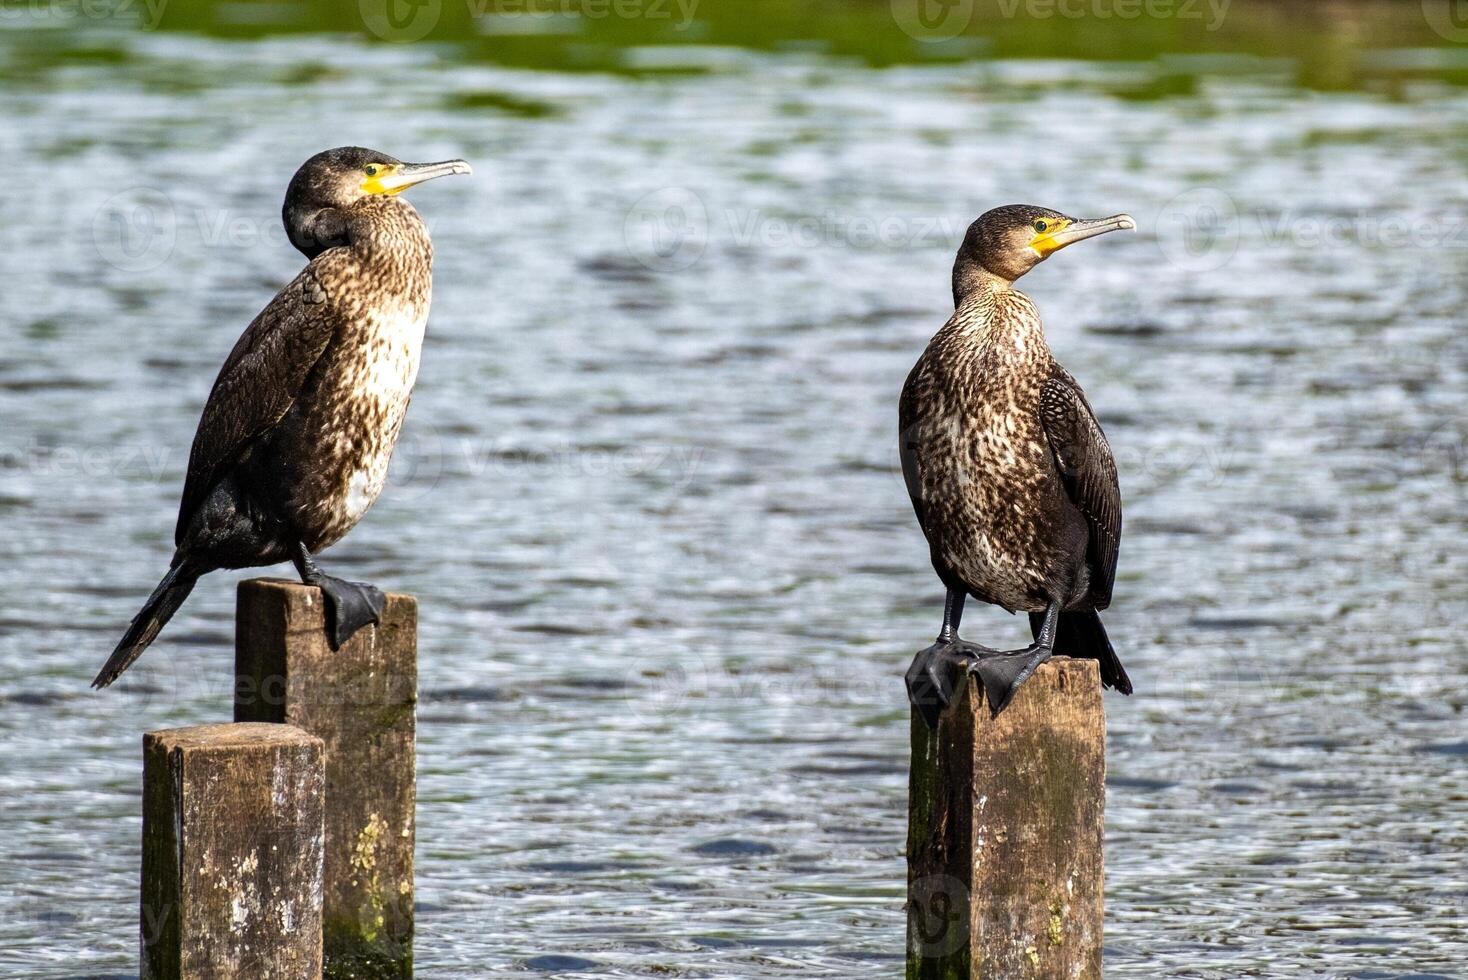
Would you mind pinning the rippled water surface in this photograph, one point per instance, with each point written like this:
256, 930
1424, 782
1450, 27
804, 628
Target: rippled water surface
648, 494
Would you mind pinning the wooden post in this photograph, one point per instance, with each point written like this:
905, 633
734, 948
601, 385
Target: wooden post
1004, 865
360, 701
233, 841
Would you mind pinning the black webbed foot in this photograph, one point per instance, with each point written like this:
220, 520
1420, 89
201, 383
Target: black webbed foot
349, 606
1002, 673
931, 680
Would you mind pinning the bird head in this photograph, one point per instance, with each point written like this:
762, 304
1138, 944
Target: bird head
1007, 242
331, 184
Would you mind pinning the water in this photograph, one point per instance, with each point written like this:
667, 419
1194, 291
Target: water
648, 494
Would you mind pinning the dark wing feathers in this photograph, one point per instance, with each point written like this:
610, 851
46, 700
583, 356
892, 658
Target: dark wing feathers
1084, 459
907, 411
257, 385
913, 411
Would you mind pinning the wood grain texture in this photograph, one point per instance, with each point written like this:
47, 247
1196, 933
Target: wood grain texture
1006, 816
233, 848
361, 701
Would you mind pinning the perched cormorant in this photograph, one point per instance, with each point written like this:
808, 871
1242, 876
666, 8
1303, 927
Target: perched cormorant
1011, 477
294, 442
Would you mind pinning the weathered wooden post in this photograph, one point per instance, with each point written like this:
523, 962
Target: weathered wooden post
360, 700
1004, 863
233, 842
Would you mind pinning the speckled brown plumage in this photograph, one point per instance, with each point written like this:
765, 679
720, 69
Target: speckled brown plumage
1010, 475
294, 442
331, 452
978, 462
314, 393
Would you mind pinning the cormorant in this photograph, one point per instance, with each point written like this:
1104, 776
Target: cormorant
294, 442
1009, 472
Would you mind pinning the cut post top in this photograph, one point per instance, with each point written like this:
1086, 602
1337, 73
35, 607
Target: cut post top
304, 609
1066, 681
229, 736
286, 670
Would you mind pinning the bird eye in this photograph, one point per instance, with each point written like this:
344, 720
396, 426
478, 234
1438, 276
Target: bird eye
1040, 226
371, 170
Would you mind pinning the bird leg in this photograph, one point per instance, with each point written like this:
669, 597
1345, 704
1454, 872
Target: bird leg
930, 679
1002, 672
349, 605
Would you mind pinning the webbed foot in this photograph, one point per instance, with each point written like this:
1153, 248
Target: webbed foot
934, 671
931, 680
1002, 673
349, 607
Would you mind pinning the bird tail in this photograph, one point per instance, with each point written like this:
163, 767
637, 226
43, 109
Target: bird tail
1080, 634
158, 610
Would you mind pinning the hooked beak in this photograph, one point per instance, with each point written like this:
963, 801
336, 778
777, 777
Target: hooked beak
408, 174
1078, 231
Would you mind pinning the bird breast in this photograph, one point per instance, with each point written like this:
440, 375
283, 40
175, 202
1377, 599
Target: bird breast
983, 464
357, 413
379, 385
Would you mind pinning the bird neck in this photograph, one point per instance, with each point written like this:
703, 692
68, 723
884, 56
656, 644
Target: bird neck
388, 228
1001, 320
372, 227
972, 282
